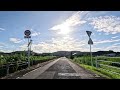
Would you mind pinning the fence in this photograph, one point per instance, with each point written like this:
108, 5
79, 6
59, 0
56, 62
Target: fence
11, 67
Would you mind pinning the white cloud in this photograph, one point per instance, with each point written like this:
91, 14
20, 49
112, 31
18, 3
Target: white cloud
15, 40
106, 41
115, 36
35, 34
107, 33
57, 44
23, 47
96, 49
113, 47
5, 50
71, 22
116, 44
2, 29
108, 24
2, 44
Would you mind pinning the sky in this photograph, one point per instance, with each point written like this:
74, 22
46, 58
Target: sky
53, 31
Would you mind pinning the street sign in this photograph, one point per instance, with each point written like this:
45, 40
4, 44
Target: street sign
90, 41
89, 33
27, 36
27, 32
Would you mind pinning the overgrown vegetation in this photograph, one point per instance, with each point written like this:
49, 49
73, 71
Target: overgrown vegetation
21, 58
108, 68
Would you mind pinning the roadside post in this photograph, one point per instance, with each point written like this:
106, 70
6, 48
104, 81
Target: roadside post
96, 62
90, 42
7, 67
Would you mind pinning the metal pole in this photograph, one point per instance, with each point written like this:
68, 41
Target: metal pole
31, 50
91, 56
28, 55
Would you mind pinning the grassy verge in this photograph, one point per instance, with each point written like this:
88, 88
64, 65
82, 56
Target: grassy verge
112, 73
93, 69
101, 72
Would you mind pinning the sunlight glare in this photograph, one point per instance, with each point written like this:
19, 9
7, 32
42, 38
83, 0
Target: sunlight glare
64, 29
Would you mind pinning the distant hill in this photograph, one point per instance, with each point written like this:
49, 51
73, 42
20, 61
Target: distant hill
67, 53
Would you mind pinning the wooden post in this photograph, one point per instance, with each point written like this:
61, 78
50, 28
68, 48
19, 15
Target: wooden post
17, 65
96, 63
7, 67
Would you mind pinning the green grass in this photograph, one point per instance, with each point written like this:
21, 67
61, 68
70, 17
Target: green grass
111, 69
93, 69
113, 59
86, 62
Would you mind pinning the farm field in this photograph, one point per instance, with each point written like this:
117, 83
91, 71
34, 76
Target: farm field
13, 63
109, 66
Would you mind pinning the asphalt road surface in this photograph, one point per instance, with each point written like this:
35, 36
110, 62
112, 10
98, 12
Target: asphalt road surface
61, 68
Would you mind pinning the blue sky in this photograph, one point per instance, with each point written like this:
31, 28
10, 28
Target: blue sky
60, 30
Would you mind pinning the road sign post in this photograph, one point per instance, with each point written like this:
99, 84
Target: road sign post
28, 55
91, 55
27, 35
90, 42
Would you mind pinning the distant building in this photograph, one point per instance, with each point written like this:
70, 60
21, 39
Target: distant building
111, 55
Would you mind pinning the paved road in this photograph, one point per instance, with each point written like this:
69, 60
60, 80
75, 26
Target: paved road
61, 68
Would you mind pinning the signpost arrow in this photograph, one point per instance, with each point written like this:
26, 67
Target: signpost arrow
89, 33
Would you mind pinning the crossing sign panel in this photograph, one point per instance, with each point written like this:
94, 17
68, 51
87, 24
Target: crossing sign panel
27, 36
90, 41
89, 33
